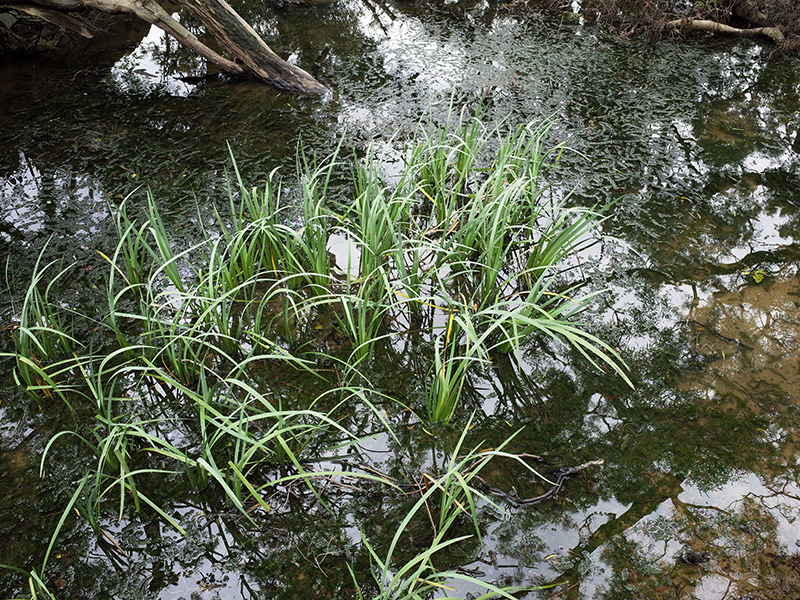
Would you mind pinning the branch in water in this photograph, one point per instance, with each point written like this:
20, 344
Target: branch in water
772, 33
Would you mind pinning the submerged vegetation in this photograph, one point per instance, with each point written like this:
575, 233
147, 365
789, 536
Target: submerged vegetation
465, 256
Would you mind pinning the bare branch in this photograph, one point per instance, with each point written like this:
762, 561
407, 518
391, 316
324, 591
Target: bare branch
772, 33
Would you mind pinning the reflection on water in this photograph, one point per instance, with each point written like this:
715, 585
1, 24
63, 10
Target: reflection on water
155, 65
693, 142
751, 337
35, 202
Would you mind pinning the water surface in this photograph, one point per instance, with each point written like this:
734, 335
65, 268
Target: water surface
697, 143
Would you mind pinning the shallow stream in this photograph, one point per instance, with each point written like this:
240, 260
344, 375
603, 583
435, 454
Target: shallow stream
697, 143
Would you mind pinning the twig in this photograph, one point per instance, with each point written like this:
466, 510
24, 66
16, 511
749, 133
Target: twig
706, 328
562, 591
563, 475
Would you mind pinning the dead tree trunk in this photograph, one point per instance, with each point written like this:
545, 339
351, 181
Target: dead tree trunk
253, 59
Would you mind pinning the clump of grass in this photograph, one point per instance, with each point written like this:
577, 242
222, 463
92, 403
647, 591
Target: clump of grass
464, 251
45, 339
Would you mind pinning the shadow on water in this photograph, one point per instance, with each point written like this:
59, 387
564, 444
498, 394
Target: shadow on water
696, 141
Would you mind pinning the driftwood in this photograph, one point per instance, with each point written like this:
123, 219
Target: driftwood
252, 58
713, 27
744, 10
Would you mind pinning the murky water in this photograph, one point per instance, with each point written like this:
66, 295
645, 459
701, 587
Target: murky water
697, 141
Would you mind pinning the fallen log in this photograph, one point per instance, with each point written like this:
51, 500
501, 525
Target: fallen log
252, 57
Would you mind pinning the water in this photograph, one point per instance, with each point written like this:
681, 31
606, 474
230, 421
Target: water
697, 143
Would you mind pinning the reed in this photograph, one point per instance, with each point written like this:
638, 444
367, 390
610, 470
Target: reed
378, 217
363, 317
45, 344
462, 251
454, 355
447, 497
314, 178
162, 250
133, 247
443, 165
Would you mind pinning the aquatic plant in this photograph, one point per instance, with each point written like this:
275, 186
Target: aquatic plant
463, 251
445, 498
44, 339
